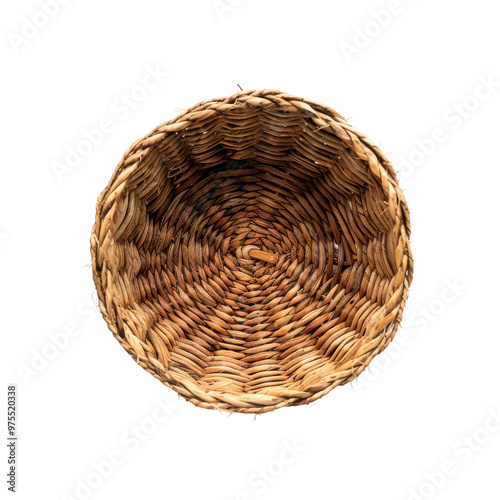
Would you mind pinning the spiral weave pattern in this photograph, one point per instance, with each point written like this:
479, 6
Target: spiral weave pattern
253, 253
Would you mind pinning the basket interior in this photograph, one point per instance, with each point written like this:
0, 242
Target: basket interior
253, 253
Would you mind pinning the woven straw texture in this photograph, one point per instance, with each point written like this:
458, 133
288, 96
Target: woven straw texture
253, 253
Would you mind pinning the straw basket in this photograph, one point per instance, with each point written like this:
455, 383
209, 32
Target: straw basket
253, 253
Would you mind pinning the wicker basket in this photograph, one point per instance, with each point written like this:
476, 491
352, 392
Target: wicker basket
253, 253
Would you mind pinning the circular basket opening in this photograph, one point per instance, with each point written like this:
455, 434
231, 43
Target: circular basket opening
253, 253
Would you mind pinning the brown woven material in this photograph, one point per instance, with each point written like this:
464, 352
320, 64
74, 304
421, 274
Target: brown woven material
253, 253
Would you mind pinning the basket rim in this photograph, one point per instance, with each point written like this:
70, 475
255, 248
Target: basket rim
324, 117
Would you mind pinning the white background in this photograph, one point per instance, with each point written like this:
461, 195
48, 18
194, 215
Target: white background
432, 398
